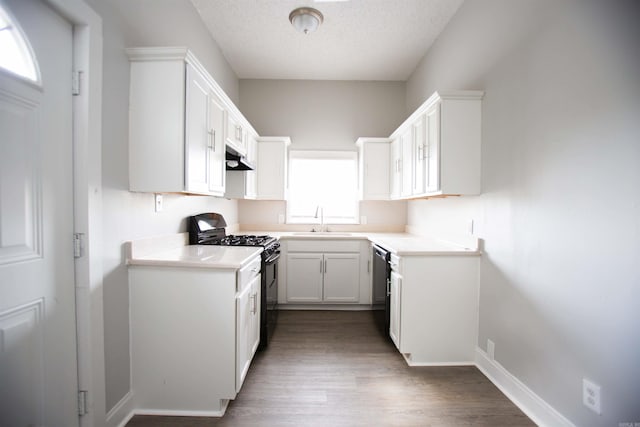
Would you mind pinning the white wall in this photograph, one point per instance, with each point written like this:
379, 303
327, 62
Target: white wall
560, 209
129, 216
323, 115
175, 23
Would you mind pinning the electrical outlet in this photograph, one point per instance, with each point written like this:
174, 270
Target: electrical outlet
158, 202
591, 395
470, 226
280, 218
491, 349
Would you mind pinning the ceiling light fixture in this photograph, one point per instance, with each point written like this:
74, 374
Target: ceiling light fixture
306, 19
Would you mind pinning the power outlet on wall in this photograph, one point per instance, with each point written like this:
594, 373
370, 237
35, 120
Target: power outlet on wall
591, 395
280, 218
158, 202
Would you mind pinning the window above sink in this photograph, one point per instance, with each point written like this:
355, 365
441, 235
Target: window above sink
326, 182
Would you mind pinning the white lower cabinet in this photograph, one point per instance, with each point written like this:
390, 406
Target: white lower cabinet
304, 277
395, 284
434, 308
316, 277
194, 332
247, 328
341, 278
325, 272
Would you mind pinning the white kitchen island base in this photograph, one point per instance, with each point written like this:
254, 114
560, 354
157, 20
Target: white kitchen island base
194, 332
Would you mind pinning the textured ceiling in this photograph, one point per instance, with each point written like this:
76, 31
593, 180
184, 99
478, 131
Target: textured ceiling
359, 39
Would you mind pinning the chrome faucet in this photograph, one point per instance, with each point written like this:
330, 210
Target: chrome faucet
320, 210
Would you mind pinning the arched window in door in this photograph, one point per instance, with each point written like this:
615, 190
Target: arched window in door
16, 55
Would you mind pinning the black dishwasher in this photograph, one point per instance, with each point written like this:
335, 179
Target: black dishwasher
380, 297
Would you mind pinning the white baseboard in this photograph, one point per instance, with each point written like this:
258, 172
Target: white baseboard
410, 362
325, 307
122, 412
171, 413
524, 398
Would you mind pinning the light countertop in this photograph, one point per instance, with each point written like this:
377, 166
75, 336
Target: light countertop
174, 251
402, 244
221, 257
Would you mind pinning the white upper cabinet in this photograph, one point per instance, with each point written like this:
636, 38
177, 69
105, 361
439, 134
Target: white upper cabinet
236, 136
438, 148
418, 155
177, 124
373, 165
272, 172
406, 162
204, 147
395, 174
215, 134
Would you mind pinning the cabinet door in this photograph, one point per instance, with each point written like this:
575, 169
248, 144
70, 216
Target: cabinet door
272, 176
254, 329
304, 277
419, 162
341, 277
197, 133
235, 135
433, 150
217, 169
395, 288
243, 333
375, 171
251, 189
406, 162
396, 170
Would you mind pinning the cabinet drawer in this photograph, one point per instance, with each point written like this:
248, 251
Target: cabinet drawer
323, 245
248, 272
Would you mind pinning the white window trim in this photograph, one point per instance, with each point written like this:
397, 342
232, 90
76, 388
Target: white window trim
318, 154
32, 72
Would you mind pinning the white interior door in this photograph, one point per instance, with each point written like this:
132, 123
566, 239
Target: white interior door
38, 362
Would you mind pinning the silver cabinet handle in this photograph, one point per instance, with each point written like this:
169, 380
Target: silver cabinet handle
325, 265
254, 297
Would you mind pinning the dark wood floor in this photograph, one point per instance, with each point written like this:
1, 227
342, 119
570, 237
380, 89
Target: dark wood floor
328, 368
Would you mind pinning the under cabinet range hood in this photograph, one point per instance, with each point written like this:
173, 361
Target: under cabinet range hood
236, 162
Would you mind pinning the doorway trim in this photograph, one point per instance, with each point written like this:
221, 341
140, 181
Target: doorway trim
87, 183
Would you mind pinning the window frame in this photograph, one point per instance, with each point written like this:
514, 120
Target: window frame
323, 155
22, 44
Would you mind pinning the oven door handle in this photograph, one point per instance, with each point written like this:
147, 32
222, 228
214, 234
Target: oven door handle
273, 258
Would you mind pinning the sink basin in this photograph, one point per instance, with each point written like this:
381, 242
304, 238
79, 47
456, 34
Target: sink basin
321, 233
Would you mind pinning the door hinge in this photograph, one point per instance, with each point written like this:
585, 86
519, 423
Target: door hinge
78, 245
83, 402
76, 81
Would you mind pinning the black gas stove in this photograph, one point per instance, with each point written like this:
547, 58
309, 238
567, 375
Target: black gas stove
209, 229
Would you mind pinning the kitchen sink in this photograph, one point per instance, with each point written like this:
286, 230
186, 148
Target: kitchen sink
320, 233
